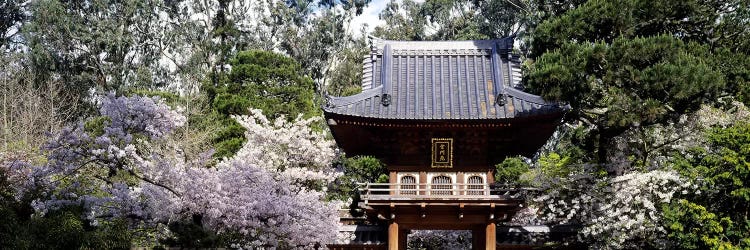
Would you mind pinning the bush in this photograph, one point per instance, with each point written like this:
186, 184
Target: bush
510, 171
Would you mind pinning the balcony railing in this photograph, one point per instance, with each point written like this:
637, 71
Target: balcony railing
405, 191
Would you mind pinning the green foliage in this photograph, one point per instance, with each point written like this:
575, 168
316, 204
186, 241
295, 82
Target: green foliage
231, 104
170, 98
271, 82
191, 234
403, 21
467, 19
359, 169
736, 68
631, 82
691, 226
95, 126
510, 171
345, 78
61, 229
600, 20
634, 63
446, 20
717, 217
554, 165
92, 46
262, 80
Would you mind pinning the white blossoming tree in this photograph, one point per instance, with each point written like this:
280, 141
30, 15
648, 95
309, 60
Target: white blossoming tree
614, 212
624, 207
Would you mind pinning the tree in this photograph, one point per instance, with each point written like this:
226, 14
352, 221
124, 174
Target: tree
96, 45
431, 20
717, 216
464, 20
11, 16
264, 80
345, 77
110, 168
510, 171
358, 169
630, 83
620, 67
268, 81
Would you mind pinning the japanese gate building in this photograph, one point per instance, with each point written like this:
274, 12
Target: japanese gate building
440, 115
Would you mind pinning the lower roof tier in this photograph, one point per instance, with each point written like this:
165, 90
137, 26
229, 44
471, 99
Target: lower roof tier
475, 144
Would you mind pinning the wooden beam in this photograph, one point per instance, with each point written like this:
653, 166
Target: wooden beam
393, 236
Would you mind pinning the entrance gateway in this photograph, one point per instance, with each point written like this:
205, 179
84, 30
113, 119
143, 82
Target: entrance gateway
440, 115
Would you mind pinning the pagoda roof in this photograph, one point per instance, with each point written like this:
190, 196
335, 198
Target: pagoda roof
441, 80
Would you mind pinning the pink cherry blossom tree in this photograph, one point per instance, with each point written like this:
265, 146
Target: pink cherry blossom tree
112, 167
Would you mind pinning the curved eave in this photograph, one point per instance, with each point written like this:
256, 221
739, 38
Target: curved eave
368, 105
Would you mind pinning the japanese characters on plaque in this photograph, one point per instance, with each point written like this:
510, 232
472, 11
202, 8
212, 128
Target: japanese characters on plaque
442, 152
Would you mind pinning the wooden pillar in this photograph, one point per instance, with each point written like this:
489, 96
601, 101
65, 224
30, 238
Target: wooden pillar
490, 235
459, 181
393, 236
393, 179
422, 183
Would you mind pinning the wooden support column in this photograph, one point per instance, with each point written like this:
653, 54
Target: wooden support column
393, 179
393, 236
422, 183
490, 235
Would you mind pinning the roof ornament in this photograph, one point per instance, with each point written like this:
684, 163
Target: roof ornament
374, 42
386, 100
329, 101
385, 75
500, 99
497, 75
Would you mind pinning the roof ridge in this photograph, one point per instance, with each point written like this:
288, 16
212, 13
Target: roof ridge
347, 100
377, 44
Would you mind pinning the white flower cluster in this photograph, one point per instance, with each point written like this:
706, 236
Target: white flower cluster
655, 145
292, 149
630, 214
616, 213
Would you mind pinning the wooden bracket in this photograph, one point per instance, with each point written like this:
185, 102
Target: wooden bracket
461, 211
492, 211
423, 209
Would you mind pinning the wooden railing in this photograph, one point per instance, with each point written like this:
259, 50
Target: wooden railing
389, 191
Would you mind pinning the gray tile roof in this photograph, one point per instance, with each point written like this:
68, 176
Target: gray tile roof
441, 81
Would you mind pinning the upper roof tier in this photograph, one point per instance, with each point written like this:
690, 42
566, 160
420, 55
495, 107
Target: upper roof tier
441, 80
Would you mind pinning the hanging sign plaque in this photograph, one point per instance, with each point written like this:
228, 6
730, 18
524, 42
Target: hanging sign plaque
442, 152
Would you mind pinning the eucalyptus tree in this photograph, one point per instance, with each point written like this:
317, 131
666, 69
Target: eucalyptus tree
466, 19
94, 43
11, 17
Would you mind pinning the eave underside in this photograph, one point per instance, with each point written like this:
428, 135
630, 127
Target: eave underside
478, 143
